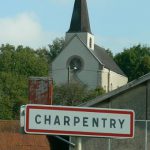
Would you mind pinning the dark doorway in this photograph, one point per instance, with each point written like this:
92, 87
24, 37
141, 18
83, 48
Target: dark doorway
57, 144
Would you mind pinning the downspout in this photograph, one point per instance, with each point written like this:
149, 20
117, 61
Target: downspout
108, 81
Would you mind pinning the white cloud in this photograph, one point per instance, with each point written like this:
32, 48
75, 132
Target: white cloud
24, 29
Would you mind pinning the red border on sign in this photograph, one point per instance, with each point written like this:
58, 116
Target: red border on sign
79, 133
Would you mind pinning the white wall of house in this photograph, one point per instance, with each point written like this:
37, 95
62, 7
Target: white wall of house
112, 80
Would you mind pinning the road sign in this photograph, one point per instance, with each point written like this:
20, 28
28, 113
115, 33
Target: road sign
79, 121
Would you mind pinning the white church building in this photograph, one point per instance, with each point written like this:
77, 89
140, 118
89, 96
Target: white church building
81, 60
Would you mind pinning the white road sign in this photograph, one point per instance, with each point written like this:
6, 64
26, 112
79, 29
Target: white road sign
79, 121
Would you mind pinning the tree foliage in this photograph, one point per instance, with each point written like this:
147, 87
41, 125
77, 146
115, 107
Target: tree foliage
109, 52
74, 94
134, 61
56, 47
16, 65
13, 93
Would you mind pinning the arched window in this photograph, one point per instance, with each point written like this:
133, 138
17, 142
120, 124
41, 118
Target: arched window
90, 43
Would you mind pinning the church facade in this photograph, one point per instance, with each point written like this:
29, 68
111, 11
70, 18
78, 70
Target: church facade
81, 60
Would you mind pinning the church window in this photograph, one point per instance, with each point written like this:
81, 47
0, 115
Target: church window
90, 43
75, 64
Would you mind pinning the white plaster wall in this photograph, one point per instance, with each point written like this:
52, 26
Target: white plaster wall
115, 80
88, 75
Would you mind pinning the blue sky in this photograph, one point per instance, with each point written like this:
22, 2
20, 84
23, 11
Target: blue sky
116, 24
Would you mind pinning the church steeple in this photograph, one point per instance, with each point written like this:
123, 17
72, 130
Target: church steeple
80, 24
80, 18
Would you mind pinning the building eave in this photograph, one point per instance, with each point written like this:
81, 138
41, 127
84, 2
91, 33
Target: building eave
118, 91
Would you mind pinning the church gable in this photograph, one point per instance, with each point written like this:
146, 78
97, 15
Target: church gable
75, 47
76, 63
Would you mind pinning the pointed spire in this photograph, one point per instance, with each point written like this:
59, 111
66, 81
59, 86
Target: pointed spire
80, 18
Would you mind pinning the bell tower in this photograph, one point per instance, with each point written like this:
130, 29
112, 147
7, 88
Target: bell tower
80, 24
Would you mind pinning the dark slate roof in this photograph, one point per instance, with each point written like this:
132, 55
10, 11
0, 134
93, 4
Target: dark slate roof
107, 60
80, 18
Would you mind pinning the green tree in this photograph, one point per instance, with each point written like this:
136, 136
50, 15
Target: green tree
13, 91
144, 66
22, 61
7, 58
74, 94
44, 53
56, 47
6, 108
109, 52
29, 63
16, 65
134, 61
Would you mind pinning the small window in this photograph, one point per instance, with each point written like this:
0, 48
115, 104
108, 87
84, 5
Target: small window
90, 43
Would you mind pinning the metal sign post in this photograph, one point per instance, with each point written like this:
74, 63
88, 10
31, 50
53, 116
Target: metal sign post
79, 144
